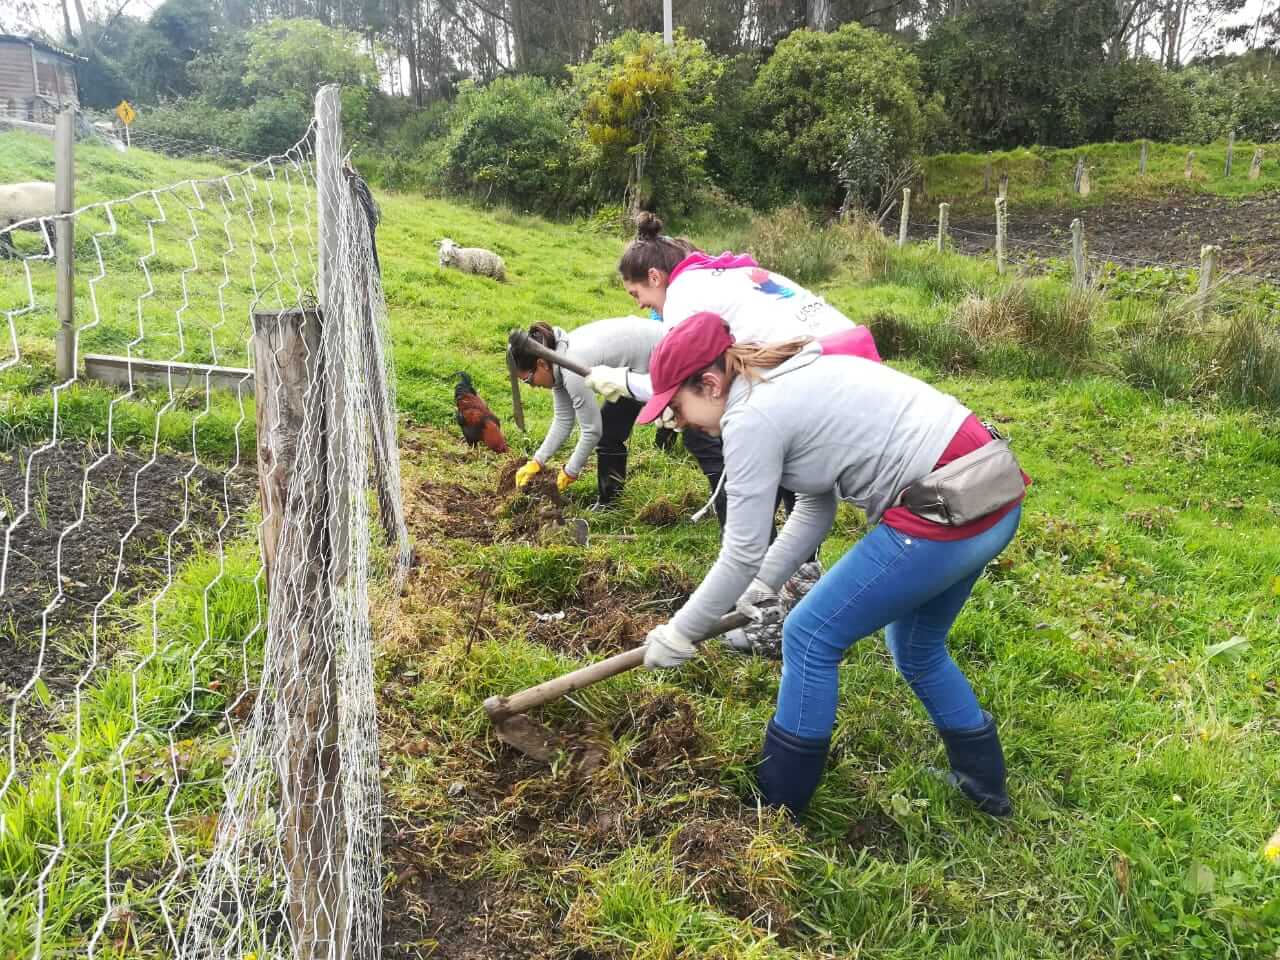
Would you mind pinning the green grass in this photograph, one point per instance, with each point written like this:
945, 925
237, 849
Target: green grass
1045, 176
1140, 731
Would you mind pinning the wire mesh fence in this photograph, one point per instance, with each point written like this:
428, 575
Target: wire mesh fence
190, 751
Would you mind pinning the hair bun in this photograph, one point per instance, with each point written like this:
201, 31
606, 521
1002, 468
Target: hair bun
648, 225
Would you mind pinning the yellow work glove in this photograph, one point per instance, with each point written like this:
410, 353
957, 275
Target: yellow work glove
527, 473
563, 480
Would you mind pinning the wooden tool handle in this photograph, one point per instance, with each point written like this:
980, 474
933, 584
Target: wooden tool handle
499, 708
521, 341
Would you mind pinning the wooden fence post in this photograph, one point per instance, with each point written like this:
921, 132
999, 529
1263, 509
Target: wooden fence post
944, 215
986, 174
1208, 267
1002, 223
1086, 185
1191, 159
1078, 273
1255, 167
64, 201
1231, 149
906, 216
1142, 160
288, 367
1004, 185
1079, 173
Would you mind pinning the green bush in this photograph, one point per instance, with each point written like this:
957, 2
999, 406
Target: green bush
813, 89
273, 125
736, 162
1149, 103
645, 118
509, 143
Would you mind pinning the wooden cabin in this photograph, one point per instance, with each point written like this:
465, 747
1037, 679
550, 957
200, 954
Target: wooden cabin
37, 79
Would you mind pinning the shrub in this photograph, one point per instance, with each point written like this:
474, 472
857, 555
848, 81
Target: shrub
1051, 322
789, 242
509, 143
645, 118
273, 125
812, 90
1147, 102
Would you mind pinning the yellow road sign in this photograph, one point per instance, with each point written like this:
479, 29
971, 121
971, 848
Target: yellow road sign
126, 113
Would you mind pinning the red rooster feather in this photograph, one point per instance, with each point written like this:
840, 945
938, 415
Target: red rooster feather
477, 421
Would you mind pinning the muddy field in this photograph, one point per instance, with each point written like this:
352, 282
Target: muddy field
137, 512
1167, 231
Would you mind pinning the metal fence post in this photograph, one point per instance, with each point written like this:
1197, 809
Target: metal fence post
64, 165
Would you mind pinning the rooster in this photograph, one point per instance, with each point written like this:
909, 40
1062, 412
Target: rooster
475, 418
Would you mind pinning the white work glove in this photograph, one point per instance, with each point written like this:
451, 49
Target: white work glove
761, 603
609, 382
666, 647
668, 420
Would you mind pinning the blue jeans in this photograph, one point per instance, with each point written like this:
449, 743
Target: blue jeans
912, 587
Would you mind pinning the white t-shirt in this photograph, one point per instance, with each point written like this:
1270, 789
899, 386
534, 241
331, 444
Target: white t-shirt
758, 305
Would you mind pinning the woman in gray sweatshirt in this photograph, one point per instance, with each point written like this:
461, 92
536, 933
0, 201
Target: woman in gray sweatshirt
833, 428
625, 341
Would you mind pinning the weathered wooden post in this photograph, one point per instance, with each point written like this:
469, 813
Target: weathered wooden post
906, 216
1191, 159
64, 201
944, 215
1208, 267
1079, 275
986, 174
1142, 160
1002, 224
1255, 166
1079, 173
1086, 185
1231, 149
300, 407
1004, 185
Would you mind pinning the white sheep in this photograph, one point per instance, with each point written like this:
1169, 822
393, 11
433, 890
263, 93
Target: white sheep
24, 201
477, 260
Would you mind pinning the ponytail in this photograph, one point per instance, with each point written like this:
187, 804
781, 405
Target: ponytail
750, 360
652, 249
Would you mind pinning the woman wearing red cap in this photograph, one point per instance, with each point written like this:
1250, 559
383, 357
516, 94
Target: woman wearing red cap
670, 277
831, 428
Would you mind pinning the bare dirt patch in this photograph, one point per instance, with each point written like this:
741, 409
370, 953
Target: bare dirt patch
160, 509
1169, 230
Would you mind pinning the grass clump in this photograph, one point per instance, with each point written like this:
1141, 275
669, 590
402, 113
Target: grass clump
789, 242
1246, 361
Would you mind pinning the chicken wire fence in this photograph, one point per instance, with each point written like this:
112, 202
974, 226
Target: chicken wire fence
190, 758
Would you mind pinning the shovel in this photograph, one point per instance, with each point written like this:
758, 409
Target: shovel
534, 739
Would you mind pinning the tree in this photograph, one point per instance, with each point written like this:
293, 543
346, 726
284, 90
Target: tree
818, 86
646, 111
295, 57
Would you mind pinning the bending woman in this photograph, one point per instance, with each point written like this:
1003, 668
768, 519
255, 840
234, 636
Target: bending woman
830, 428
605, 429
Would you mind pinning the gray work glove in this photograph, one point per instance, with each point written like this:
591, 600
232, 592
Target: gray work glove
667, 647
760, 603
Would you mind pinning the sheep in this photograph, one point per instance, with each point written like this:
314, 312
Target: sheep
25, 201
477, 260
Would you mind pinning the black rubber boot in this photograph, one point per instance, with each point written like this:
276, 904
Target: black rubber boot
790, 768
977, 766
611, 475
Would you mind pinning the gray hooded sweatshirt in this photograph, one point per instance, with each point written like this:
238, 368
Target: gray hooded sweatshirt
619, 342
830, 428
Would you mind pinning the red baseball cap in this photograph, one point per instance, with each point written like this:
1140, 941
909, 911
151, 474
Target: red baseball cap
688, 348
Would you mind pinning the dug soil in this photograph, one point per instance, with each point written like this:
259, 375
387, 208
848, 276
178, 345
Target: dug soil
1168, 231
141, 517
